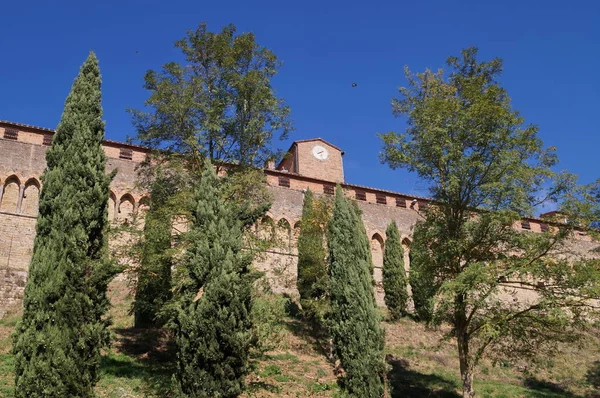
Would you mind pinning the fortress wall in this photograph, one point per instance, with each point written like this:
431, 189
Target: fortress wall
23, 161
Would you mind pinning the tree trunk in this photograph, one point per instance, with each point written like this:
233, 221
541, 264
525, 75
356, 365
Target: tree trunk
466, 368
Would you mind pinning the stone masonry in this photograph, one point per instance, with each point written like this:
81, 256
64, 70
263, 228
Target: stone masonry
310, 164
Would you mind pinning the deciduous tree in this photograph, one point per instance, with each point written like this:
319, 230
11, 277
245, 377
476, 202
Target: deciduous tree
487, 169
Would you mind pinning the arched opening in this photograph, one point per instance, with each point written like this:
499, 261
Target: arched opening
283, 234
406, 246
126, 206
10, 195
265, 228
142, 209
112, 202
144, 205
377, 250
31, 197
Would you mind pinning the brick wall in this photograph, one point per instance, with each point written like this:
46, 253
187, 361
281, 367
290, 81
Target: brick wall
23, 161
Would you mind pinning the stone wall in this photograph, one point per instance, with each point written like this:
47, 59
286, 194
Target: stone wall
22, 162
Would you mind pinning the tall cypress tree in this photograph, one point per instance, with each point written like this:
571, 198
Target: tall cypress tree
423, 283
213, 329
153, 287
312, 267
57, 344
394, 276
357, 336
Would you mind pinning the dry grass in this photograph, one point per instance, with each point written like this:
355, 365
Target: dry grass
140, 364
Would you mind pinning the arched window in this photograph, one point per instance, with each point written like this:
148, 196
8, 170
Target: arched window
144, 205
126, 206
265, 228
31, 197
112, 200
406, 246
283, 234
377, 250
10, 196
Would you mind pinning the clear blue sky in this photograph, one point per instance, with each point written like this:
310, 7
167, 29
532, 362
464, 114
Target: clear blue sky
551, 51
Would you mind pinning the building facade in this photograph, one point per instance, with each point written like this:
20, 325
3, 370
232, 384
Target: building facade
313, 164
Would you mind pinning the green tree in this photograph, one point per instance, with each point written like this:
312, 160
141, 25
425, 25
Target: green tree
313, 281
487, 170
58, 342
212, 324
422, 279
357, 336
219, 105
394, 275
153, 276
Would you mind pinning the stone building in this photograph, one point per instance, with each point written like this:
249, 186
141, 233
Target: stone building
312, 163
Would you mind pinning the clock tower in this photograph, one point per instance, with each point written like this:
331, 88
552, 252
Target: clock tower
314, 158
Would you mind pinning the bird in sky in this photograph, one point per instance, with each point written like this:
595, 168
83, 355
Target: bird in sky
354, 84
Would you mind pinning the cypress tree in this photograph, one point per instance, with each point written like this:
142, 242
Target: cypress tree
394, 276
213, 329
312, 267
422, 278
58, 342
357, 336
153, 287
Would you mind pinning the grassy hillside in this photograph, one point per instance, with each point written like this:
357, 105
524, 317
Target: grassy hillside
140, 364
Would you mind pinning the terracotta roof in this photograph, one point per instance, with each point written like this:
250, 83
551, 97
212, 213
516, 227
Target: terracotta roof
28, 126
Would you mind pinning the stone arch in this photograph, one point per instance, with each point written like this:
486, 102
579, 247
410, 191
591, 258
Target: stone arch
296, 230
406, 243
283, 233
126, 208
112, 204
31, 197
377, 250
265, 228
10, 194
144, 204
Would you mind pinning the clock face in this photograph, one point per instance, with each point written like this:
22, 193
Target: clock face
319, 152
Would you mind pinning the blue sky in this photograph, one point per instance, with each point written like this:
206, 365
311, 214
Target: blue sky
551, 51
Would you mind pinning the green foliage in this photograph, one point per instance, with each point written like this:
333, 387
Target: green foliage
422, 281
219, 104
213, 303
486, 170
357, 336
313, 281
58, 342
268, 314
153, 275
394, 275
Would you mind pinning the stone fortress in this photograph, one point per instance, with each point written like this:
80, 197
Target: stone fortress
312, 163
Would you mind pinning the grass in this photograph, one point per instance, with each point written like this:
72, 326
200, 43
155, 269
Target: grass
140, 364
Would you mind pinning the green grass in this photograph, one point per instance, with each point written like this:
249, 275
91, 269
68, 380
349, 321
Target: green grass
140, 364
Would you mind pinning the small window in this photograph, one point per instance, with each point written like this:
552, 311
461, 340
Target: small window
284, 181
328, 189
11, 134
360, 195
126, 154
544, 227
525, 225
401, 202
381, 199
47, 140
